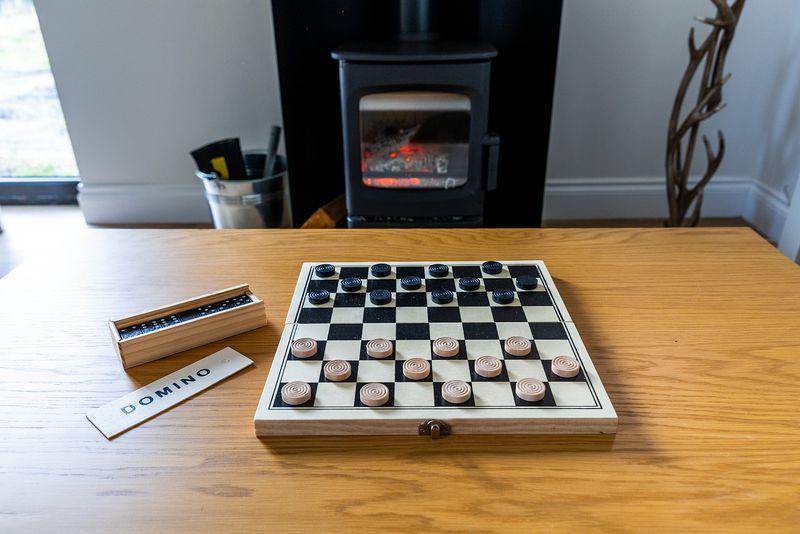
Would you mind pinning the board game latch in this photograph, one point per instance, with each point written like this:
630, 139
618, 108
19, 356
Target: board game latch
434, 428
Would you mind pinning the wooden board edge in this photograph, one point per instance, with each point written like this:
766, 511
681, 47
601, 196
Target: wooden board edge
397, 427
558, 302
298, 294
590, 370
262, 409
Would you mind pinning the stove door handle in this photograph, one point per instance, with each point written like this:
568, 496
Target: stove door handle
492, 142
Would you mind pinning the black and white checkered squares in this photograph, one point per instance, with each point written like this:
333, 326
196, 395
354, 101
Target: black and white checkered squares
412, 320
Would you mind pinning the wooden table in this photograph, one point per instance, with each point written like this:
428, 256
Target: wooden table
695, 333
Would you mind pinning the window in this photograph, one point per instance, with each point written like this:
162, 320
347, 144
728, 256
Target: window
37, 164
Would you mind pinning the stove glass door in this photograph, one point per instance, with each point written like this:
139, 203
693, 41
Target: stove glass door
414, 140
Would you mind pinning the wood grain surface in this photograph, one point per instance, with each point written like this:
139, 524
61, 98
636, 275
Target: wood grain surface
694, 332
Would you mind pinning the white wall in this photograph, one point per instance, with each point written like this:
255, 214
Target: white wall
620, 62
142, 82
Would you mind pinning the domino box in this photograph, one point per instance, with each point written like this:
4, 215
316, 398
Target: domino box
184, 325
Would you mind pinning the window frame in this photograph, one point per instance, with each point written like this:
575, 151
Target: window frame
38, 190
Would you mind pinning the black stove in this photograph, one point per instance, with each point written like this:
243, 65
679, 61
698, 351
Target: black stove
415, 114
411, 98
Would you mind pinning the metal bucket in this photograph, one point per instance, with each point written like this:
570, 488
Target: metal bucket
255, 203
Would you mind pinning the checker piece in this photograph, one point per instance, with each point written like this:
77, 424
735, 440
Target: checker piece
438, 270
351, 284
517, 346
492, 267
469, 283
337, 370
503, 296
380, 296
374, 394
444, 296
296, 393
319, 296
416, 369
527, 282
380, 270
456, 391
446, 347
411, 282
305, 347
379, 348
325, 270
488, 366
530, 389
565, 366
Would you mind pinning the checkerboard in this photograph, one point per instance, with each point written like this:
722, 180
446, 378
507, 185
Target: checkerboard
411, 321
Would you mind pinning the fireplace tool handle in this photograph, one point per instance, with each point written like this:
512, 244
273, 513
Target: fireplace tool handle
492, 142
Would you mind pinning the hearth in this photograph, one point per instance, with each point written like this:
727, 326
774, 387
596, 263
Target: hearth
417, 149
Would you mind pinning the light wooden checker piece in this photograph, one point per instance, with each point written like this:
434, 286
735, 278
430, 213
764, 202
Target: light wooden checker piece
498, 351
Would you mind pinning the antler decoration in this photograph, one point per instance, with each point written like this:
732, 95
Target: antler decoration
683, 131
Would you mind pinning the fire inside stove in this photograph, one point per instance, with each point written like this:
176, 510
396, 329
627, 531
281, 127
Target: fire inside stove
417, 140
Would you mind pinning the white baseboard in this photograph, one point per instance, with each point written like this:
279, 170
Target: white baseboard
789, 242
635, 198
766, 209
143, 204
645, 198
565, 198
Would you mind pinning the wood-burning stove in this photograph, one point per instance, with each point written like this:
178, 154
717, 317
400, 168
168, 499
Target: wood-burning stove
526, 35
417, 149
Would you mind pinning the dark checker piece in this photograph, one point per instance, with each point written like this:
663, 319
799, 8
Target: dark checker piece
380, 296
380, 270
503, 296
527, 282
492, 267
320, 296
411, 282
351, 284
325, 270
438, 270
468, 283
445, 296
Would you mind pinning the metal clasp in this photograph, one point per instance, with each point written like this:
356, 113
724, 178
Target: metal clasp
434, 428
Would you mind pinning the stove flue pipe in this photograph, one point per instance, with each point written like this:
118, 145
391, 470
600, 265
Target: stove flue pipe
416, 20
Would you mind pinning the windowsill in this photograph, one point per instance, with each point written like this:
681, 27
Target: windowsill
38, 179
38, 190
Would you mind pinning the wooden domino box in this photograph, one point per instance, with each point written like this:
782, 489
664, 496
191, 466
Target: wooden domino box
164, 331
